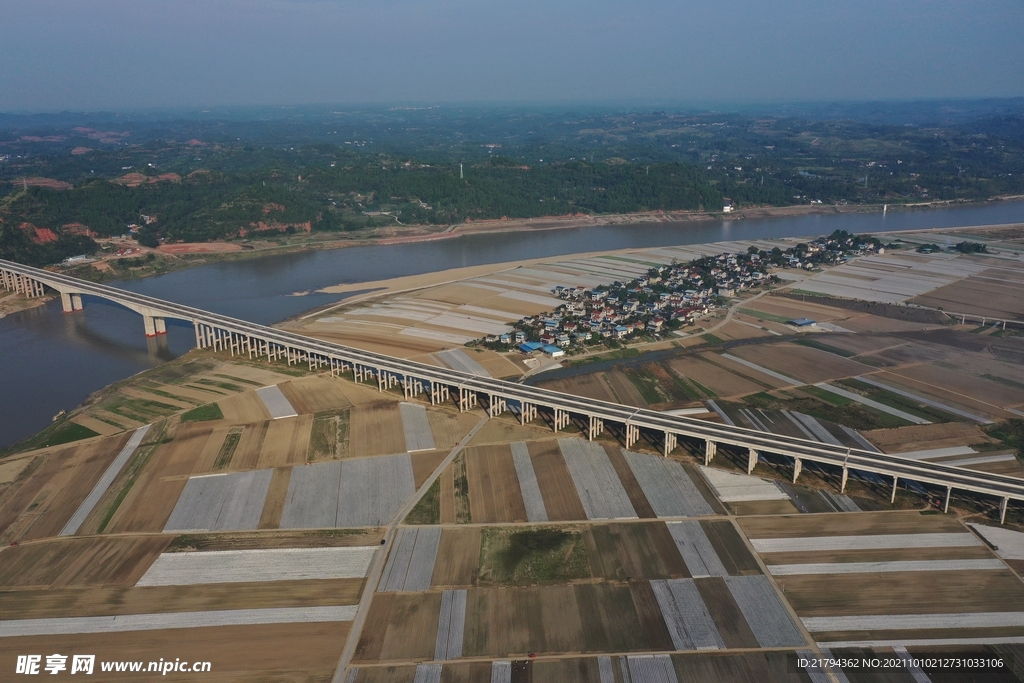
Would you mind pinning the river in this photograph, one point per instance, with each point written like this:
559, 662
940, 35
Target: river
50, 361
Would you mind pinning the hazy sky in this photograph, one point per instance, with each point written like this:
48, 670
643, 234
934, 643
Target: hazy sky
129, 54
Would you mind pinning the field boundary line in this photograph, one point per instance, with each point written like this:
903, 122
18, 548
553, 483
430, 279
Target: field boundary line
373, 575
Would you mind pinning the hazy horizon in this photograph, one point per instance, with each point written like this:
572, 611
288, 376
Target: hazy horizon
120, 55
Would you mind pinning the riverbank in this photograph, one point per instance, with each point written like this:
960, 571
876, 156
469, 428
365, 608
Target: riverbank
181, 256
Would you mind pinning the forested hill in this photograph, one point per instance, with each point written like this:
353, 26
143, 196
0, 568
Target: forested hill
233, 179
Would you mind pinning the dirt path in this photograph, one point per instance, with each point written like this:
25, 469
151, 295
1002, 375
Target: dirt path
373, 577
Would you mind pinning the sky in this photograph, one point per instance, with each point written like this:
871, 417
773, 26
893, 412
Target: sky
139, 54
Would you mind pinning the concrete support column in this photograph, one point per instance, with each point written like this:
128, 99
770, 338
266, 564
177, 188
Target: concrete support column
1002, 510
949, 491
150, 325
632, 435
798, 465
561, 419
710, 448
381, 380
463, 400
846, 476
65, 302
670, 443
596, 427
895, 481
527, 412
752, 458
495, 405
76, 302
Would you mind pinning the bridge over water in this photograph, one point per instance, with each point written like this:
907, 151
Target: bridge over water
223, 333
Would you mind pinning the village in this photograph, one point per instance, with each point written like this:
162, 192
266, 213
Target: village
668, 297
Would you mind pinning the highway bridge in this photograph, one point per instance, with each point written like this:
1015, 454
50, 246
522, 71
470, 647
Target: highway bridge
223, 333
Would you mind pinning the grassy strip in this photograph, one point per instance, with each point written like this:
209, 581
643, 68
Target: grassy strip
428, 509
646, 384
462, 514
1004, 380
898, 402
701, 388
680, 388
210, 411
537, 555
167, 394
821, 346
220, 385
239, 379
227, 449
827, 396
852, 414
712, 339
131, 472
761, 315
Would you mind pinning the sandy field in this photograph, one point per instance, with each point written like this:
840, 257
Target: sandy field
301, 652
66, 562
716, 378
841, 524
805, 364
493, 485
40, 504
376, 430
996, 292
926, 437
315, 394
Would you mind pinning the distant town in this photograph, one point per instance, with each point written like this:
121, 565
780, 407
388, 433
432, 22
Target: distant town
667, 298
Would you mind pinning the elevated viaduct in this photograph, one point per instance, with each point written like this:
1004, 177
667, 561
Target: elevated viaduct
223, 333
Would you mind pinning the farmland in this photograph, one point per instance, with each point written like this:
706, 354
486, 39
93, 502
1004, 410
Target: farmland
239, 506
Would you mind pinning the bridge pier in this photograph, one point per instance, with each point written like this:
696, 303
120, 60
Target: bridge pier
710, 449
752, 458
798, 466
561, 419
439, 393
154, 326
670, 443
467, 399
949, 490
495, 405
1002, 510
895, 481
527, 413
632, 435
846, 475
596, 427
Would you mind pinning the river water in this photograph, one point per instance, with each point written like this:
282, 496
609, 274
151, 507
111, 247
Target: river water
50, 361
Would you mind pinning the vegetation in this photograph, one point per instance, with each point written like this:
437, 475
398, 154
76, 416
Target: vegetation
428, 509
1010, 432
238, 179
67, 433
971, 248
539, 555
210, 411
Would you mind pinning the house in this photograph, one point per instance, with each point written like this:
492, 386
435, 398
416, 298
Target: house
562, 340
620, 331
802, 322
505, 338
552, 351
530, 347
727, 205
520, 337
655, 324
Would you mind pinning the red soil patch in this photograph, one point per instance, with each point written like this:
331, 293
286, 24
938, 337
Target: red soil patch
39, 235
137, 179
80, 150
43, 182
